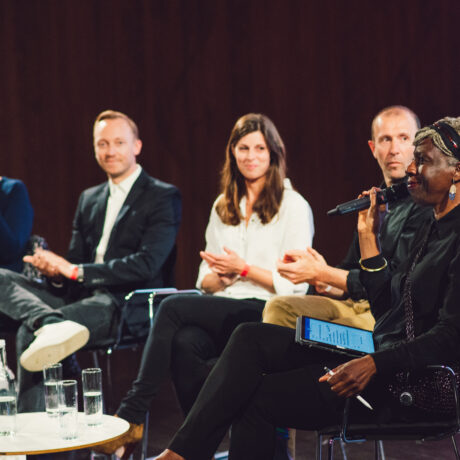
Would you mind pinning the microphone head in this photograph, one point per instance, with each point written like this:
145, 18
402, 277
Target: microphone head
333, 212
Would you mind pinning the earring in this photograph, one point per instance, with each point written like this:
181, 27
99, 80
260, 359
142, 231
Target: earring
452, 191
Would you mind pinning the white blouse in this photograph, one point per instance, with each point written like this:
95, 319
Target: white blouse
262, 245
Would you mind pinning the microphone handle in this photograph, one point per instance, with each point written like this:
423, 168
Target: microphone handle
356, 205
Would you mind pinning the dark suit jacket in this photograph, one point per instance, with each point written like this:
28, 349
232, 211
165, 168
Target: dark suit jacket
141, 241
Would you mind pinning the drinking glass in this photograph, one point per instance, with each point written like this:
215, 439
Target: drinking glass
68, 409
92, 395
52, 374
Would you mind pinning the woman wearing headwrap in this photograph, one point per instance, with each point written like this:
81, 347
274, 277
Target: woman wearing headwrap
264, 379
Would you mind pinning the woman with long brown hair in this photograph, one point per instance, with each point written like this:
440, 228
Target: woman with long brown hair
257, 217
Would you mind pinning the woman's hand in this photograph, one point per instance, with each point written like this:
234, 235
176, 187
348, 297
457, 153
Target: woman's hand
369, 219
226, 264
369, 225
351, 378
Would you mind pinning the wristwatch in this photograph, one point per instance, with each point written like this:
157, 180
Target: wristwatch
80, 274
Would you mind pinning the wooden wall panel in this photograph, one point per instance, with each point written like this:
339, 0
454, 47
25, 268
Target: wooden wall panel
185, 70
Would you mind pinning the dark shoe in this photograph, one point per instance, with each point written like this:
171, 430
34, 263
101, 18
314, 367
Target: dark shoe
127, 440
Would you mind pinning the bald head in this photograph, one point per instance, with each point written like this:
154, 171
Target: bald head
394, 110
393, 132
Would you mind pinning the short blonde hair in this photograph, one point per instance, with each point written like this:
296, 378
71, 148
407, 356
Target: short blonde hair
113, 115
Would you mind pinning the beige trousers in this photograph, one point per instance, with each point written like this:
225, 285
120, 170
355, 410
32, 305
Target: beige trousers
284, 310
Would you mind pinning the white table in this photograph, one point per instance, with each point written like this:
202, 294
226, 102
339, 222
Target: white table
37, 433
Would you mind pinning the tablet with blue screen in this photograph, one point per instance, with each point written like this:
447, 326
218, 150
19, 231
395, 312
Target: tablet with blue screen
334, 337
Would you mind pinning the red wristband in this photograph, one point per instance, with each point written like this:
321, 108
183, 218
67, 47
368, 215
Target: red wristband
245, 271
74, 274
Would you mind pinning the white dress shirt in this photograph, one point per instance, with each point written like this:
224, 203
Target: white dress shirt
262, 245
117, 196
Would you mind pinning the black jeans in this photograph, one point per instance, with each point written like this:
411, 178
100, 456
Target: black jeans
262, 380
214, 316
29, 302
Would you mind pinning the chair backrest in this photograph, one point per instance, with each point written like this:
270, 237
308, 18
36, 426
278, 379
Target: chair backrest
139, 310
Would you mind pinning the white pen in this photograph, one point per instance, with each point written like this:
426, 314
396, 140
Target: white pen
358, 397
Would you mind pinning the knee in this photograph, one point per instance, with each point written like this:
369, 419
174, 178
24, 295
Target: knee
278, 311
167, 306
7, 276
249, 333
187, 339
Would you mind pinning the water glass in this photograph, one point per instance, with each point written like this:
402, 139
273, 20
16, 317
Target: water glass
92, 395
7, 415
52, 374
68, 409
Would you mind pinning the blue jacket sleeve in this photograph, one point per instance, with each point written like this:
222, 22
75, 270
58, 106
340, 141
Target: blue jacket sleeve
16, 219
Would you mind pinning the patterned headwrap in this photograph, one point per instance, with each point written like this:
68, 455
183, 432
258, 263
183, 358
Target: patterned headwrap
445, 135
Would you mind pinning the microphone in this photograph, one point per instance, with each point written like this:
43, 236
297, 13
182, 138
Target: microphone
394, 193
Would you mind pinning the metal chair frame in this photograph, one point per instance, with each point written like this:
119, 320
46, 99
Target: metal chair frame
352, 433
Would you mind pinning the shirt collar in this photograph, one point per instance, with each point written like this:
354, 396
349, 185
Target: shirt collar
125, 185
449, 222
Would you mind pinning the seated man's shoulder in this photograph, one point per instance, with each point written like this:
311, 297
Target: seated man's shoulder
8, 184
95, 190
158, 184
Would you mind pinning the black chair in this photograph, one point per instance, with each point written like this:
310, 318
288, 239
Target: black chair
425, 431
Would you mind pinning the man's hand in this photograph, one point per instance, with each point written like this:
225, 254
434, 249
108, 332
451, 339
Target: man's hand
351, 378
224, 264
302, 266
50, 264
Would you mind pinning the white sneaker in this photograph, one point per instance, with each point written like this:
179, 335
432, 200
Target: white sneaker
54, 342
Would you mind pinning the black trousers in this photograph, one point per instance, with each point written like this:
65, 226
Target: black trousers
262, 380
193, 317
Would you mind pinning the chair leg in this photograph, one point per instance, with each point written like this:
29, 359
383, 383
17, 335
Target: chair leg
108, 361
379, 453
145, 437
319, 445
342, 448
330, 454
95, 358
454, 443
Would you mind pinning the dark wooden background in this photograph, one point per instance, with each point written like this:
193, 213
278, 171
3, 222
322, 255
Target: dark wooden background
186, 70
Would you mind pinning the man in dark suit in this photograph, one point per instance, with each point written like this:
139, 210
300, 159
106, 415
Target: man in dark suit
123, 233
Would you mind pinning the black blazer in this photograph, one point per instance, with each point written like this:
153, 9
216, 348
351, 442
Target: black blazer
141, 241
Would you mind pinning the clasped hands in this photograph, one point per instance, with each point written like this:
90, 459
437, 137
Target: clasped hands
226, 266
300, 266
50, 264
